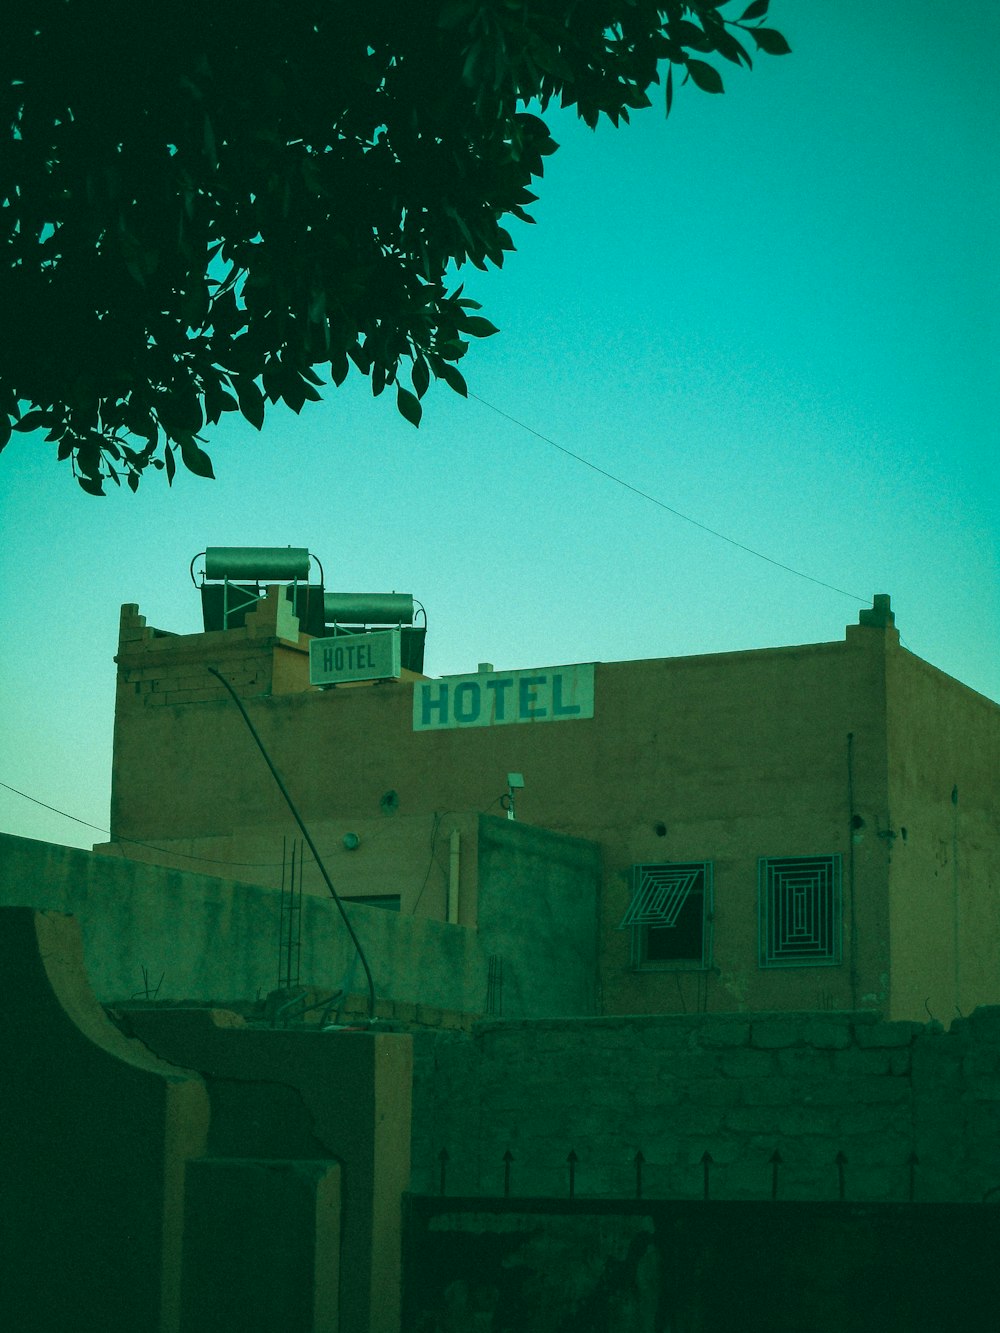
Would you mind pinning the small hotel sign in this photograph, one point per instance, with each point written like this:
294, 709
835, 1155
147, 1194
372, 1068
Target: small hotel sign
546, 694
347, 657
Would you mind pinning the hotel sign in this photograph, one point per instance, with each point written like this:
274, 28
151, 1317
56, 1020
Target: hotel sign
498, 698
347, 657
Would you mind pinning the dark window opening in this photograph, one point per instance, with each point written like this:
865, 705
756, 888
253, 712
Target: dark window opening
670, 915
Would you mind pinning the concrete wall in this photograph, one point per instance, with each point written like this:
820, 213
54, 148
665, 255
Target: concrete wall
738, 1087
375, 854
291, 1102
741, 756
150, 930
943, 840
800, 751
96, 1136
181, 1171
723, 758
538, 909
192, 937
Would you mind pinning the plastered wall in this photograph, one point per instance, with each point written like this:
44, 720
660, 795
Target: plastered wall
827, 749
942, 838
149, 932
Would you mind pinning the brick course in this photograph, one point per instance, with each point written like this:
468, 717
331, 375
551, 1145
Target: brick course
811, 1086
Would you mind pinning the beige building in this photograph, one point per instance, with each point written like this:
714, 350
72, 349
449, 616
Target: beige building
810, 827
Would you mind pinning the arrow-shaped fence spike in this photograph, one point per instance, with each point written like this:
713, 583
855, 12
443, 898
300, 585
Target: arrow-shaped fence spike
707, 1162
508, 1157
572, 1159
913, 1161
840, 1161
639, 1163
443, 1159
776, 1161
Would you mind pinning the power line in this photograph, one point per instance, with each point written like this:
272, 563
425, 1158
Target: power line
661, 504
216, 860
136, 842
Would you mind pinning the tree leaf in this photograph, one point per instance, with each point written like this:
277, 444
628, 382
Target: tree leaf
4, 429
194, 458
477, 326
293, 390
453, 13
409, 405
251, 402
361, 357
88, 458
420, 376
269, 230
34, 421
453, 349
339, 368
771, 41
92, 485
706, 76
217, 400
690, 35
454, 378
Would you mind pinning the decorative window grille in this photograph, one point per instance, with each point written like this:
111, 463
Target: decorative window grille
799, 906
670, 915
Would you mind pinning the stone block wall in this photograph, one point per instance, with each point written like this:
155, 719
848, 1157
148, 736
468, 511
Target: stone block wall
813, 1106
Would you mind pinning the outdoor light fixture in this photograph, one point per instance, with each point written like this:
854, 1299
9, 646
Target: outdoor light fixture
515, 781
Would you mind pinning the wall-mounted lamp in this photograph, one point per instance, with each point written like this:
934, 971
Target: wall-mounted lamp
515, 781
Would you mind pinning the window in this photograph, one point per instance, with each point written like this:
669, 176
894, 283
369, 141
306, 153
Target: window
799, 911
670, 915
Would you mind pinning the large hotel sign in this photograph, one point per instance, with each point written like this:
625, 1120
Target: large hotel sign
347, 657
496, 698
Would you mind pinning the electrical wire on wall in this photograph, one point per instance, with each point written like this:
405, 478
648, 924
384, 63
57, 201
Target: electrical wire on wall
439, 815
306, 834
118, 840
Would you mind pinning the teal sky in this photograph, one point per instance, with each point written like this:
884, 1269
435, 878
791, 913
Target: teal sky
775, 312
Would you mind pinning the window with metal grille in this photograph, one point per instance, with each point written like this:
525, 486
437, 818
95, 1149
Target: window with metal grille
670, 915
799, 908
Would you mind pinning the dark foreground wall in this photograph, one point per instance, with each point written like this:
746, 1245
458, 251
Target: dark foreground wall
592, 1266
875, 1112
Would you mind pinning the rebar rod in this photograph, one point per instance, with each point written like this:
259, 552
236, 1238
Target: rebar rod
306, 834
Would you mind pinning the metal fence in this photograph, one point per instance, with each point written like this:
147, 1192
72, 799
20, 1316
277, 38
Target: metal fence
774, 1172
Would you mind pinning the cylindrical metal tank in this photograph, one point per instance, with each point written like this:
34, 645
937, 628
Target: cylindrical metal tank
283, 563
368, 608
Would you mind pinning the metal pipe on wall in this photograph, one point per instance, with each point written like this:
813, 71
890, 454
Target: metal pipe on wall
454, 863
